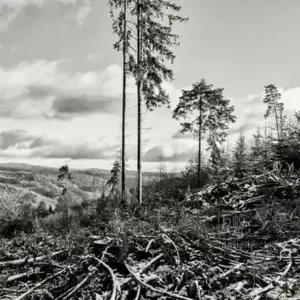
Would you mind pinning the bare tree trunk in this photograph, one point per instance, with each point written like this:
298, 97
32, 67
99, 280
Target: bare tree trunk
200, 137
277, 124
123, 175
281, 124
139, 106
266, 145
278, 132
67, 204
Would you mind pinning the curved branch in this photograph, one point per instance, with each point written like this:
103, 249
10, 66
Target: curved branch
149, 287
114, 288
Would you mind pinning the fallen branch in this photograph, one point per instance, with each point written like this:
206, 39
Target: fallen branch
149, 245
151, 262
114, 288
22, 275
258, 292
138, 293
285, 271
198, 289
149, 287
146, 267
23, 296
168, 240
79, 285
26, 260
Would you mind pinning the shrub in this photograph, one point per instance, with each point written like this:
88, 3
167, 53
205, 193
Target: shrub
54, 222
16, 218
105, 207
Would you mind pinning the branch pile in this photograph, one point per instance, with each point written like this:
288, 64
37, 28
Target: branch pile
166, 265
258, 205
246, 251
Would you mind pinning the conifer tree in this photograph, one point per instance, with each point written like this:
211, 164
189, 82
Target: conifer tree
119, 14
240, 157
149, 23
272, 98
257, 151
66, 175
155, 42
114, 179
205, 110
291, 143
147, 61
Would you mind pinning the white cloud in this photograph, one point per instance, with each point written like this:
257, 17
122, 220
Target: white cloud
94, 56
250, 111
22, 3
44, 81
83, 12
10, 9
29, 90
50, 75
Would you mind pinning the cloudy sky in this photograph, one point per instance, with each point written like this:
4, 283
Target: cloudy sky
60, 79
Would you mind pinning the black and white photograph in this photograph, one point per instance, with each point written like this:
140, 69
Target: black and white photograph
149, 150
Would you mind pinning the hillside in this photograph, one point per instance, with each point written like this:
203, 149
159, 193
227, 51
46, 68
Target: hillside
21, 182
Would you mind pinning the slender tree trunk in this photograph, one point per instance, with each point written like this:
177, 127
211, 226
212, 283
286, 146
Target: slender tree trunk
278, 132
139, 106
67, 204
266, 145
123, 175
277, 125
281, 124
200, 137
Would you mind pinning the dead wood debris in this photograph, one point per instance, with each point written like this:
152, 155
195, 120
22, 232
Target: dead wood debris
228, 274
171, 265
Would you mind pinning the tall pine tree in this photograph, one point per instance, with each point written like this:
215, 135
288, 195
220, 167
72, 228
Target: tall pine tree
205, 109
240, 157
66, 176
272, 98
119, 13
148, 62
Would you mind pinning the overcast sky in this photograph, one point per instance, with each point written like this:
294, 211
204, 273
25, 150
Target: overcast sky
60, 78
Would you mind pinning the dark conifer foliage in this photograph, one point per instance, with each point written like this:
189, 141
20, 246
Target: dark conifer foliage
114, 180
205, 110
149, 24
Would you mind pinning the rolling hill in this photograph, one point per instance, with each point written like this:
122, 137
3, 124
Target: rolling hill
24, 182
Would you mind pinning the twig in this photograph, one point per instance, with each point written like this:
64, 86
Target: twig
146, 267
151, 262
79, 285
138, 293
256, 293
285, 271
104, 252
167, 239
38, 285
64, 294
198, 290
164, 293
231, 270
149, 245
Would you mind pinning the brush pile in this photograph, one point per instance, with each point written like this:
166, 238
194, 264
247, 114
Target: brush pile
265, 205
245, 247
165, 266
